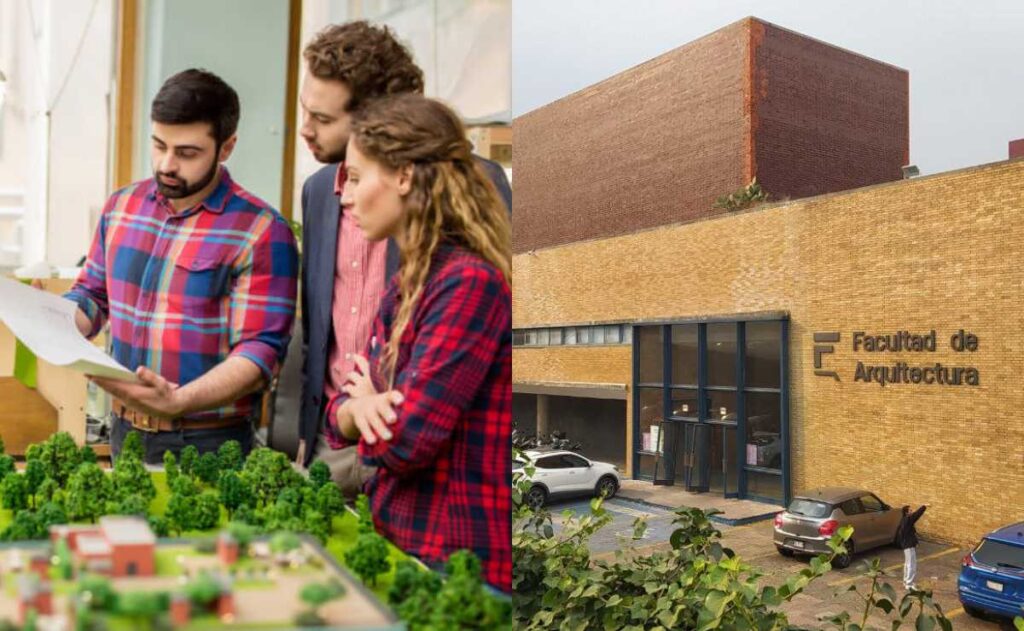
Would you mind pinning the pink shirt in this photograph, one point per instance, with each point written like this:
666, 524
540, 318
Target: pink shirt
359, 284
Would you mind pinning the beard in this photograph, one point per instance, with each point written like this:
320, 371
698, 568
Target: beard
183, 188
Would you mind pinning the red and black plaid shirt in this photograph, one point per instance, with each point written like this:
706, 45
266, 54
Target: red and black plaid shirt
445, 478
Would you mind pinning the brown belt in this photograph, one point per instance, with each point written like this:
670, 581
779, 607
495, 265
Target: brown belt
146, 423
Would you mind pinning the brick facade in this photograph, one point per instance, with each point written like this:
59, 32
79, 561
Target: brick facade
658, 143
928, 253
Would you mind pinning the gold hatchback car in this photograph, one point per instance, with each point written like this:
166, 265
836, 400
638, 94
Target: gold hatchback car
814, 516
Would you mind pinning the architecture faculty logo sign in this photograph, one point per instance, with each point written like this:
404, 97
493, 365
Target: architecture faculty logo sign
900, 372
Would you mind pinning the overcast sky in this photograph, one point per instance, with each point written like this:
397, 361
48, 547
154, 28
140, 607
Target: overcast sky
966, 59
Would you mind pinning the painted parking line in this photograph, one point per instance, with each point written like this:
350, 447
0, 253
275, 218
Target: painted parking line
897, 566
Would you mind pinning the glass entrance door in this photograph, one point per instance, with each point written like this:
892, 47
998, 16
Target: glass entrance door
723, 467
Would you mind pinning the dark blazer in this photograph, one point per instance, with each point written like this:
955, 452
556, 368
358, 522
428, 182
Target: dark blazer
906, 533
320, 211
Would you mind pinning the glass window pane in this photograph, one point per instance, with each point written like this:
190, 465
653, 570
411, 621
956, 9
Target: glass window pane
570, 335
650, 416
722, 354
597, 334
764, 345
764, 429
651, 354
627, 334
684, 354
518, 338
611, 334
645, 466
555, 337
722, 406
769, 486
542, 337
531, 338
684, 403
584, 334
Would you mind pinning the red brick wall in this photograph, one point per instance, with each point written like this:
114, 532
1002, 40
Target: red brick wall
653, 145
825, 119
658, 143
1017, 148
143, 556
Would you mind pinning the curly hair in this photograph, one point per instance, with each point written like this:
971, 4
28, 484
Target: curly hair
366, 58
451, 198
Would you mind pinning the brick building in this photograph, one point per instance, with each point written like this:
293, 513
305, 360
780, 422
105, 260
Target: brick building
658, 143
117, 546
870, 337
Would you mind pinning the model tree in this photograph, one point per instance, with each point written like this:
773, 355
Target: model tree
131, 478
229, 456
63, 556
319, 474
316, 595
369, 557
207, 511
413, 593
284, 542
132, 447
243, 534
6, 466
47, 490
141, 607
233, 492
15, 492
171, 468
158, 524
180, 507
315, 523
365, 516
100, 591
51, 514
89, 491
267, 473
207, 468
189, 457
60, 457
203, 590
130, 505
330, 503
462, 602
34, 476
24, 527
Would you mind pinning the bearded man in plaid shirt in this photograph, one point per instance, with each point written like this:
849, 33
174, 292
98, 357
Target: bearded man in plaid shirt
197, 278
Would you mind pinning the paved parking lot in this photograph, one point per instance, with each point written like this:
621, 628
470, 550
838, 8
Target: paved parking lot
938, 564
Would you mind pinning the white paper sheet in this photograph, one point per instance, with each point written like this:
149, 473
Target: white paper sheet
45, 323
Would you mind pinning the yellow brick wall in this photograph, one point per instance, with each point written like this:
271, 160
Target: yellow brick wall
942, 252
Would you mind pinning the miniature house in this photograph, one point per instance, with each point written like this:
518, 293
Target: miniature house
117, 546
33, 594
227, 549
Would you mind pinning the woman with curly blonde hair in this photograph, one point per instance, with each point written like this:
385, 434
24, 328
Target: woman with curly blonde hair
431, 403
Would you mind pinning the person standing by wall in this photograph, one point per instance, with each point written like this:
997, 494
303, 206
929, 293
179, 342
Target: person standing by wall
906, 539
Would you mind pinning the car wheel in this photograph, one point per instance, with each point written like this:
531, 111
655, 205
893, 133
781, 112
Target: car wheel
536, 496
786, 552
606, 486
843, 561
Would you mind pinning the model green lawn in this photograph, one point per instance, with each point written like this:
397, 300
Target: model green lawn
341, 540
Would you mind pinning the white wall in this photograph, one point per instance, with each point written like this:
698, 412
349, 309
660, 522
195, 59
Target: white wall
57, 55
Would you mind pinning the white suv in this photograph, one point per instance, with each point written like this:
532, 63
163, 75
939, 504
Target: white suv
567, 473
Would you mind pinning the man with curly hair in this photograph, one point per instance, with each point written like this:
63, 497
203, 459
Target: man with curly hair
344, 275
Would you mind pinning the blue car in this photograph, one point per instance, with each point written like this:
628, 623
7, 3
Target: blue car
992, 575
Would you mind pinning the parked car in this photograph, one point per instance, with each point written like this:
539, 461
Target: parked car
813, 517
992, 575
564, 473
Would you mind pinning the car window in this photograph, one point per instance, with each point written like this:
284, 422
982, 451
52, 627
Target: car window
809, 508
550, 462
999, 554
871, 504
518, 464
851, 507
573, 461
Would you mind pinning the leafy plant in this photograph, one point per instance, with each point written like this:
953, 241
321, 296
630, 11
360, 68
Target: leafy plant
369, 558
745, 197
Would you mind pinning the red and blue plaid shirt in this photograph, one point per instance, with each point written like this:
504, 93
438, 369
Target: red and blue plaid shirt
185, 291
445, 478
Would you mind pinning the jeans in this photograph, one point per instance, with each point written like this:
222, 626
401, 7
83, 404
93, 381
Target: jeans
155, 444
909, 567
